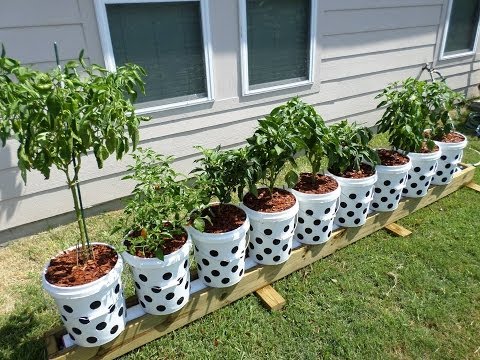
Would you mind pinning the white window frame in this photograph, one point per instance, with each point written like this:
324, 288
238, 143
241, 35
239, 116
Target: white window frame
107, 48
445, 56
244, 53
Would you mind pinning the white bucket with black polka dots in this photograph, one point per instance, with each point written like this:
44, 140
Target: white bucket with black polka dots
388, 188
315, 216
452, 154
271, 235
93, 313
162, 286
424, 166
355, 198
220, 258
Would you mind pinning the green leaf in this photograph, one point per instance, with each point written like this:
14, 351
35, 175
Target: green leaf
159, 254
291, 178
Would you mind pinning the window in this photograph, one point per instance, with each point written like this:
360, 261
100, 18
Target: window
461, 30
277, 44
168, 39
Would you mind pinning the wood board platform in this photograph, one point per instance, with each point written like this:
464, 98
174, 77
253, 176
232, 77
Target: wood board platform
147, 328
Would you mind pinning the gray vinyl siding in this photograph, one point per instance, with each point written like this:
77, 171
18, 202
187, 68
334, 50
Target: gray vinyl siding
362, 45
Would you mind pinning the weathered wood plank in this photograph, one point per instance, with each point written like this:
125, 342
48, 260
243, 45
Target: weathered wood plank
473, 186
149, 327
270, 298
398, 230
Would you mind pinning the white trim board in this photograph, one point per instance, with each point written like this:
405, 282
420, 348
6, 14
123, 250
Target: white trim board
246, 90
109, 58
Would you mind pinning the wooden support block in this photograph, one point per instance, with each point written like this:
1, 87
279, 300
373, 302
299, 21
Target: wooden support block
398, 230
270, 298
473, 186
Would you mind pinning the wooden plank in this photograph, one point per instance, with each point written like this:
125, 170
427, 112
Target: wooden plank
473, 186
270, 298
398, 230
149, 327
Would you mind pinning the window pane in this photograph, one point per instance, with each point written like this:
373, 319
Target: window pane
165, 39
278, 33
463, 26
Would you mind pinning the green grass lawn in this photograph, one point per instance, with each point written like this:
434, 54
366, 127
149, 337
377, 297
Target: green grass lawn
384, 297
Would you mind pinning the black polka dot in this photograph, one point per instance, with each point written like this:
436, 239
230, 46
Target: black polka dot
267, 251
350, 213
378, 190
95, 305
375, 205
215, 272
286, 228
101, 326
205, 262
67, 308
241, 272
422, 177
214, 253
431, 168
64, 318
196, 249
137, 285
258, 240
356, 221
397, 197
444, 179
308, 230
401, 180
142, 303
329, 233
325, 228
352, 196
289, 251
367, 194
84, 320
365, 210
199, 267
267, 232
186, 285
439, 173
316, 222
225, 280
259, 257
392, 191
111, 308
251, 228
180, 301
405, 190
300, 236
452, 171
384, 199
235, 249
143, 277
251, 246
341, 220
120, 312
387, 183
456, 157
285, 247
185, 264
167, 276
114, 329
161, 308
316, 238
276, 258
180, 281
413, 185
276, 242
443, 157
77, 331
117, 289
223, 263
300, 220
327, 210
234, 269
448, 166
416, 169
92, 339
170, 296
409, 176
343, 204
390, 206
147, 298
309, 212
71, 336
419, 192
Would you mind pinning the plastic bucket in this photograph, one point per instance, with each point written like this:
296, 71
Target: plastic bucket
388, 188
271, 235
93, 313
424, 166
160, 285
452, 154
220, 258
315, 216
355, 198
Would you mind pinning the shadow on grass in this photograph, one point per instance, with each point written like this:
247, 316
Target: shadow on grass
18, 338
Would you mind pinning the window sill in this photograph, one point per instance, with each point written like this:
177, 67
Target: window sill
177, 105
248, 92
456, 56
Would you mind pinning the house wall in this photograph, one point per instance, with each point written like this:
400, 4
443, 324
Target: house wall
361, 46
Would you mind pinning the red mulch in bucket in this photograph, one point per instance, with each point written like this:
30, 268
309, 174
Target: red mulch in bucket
224, 218
279, 200
323, 184
391, 158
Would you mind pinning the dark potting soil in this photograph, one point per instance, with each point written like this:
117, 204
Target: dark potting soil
169, 246
68, 269
323, 184
426, 150
365, 171
391, 157
278, 200
224, 218
452, 138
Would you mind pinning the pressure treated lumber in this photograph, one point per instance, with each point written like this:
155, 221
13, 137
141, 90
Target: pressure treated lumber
147, 328
473, 186
398, 230
270, 298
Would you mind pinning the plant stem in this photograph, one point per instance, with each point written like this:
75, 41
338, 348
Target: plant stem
78, 214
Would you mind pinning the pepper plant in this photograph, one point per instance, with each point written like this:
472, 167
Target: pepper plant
160, 206
351, 148
58, 116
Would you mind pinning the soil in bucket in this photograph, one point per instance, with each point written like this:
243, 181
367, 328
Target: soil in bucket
169, 245
322, 185
279, 200
391, 158
364, 171
452, 137
223, 218
68, 269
